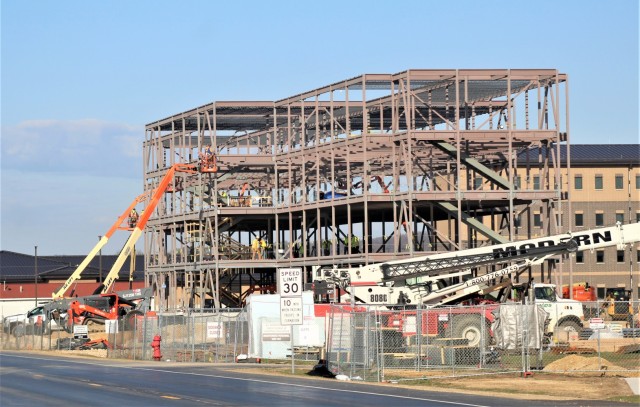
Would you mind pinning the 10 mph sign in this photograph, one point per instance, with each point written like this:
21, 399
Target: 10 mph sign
290, 289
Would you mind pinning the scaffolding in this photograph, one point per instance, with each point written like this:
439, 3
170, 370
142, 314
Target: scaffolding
369, 169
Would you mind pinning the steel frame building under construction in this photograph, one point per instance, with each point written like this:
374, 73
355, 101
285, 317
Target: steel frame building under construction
372, 168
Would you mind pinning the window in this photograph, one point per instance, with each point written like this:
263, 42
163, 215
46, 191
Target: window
637, 216
517, 221
620, 256
637, 181
579, 219
619, 181
536, 182
579, 257
537, 222
599, 219
578, 182
638, 255
477, 183
599, 183
620, 217
601, 292
599, 256
517, 182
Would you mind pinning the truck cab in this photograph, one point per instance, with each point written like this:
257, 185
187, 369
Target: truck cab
564, 314
33, 321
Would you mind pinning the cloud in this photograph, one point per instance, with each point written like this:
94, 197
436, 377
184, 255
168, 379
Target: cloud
86, 146
65, 182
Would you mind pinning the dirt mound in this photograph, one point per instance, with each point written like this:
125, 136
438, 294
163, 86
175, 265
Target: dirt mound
581, 364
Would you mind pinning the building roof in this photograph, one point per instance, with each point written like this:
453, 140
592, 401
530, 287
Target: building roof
594, 154
21, 267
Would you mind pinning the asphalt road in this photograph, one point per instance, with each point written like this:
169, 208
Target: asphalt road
47, 380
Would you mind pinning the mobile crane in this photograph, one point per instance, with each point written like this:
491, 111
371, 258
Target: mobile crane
424, 280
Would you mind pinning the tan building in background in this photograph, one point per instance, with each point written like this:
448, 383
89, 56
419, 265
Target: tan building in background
603, 185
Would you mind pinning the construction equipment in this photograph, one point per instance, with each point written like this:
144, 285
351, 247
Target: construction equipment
129, 247
118, 225
94, 310
433, 281
109, 306
579, 292
617, 305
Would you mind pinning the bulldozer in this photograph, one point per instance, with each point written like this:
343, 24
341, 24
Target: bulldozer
617, 306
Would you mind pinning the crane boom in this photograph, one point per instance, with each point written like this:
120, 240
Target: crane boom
420, 277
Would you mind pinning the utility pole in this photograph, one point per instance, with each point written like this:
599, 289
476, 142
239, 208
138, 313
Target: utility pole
35, 273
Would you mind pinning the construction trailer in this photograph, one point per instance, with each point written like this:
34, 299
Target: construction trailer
366, 170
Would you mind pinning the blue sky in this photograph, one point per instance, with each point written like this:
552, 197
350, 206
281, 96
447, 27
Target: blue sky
80, 79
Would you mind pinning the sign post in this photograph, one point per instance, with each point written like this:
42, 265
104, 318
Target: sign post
290, 290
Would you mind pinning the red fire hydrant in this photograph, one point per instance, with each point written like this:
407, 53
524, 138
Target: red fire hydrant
155, 344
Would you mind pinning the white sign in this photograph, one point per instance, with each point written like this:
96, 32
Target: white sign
80, 331
290, 282
215, 330
275, 333
596, 323
291, 311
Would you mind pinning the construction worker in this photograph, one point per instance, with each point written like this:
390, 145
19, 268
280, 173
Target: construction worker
133, 218
263, 248
355, 244
224, 197
255, 250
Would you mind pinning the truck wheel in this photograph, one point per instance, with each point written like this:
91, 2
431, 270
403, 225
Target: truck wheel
470, 328
18, 330
570, 326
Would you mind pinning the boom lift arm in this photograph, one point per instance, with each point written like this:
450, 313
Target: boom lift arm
129, 246
59, 293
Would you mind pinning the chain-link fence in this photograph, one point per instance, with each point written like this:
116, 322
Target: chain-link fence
408, 344
383, 344
190, 336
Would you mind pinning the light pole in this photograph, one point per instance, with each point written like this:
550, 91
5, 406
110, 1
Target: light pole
35, 273
100, 262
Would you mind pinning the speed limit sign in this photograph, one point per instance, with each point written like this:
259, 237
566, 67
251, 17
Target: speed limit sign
290, 282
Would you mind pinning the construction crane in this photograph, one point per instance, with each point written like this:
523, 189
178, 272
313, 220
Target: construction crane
430, 281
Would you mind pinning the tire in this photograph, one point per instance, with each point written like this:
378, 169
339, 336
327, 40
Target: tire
570, 326
18, 330
470, 328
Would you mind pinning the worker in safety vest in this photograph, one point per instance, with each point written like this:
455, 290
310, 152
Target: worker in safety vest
255, 249
355, 244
